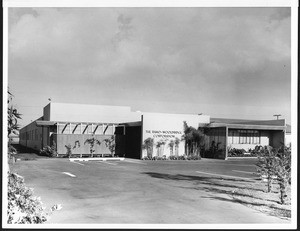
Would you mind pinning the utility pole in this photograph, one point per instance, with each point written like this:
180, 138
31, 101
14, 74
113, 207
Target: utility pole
277, 116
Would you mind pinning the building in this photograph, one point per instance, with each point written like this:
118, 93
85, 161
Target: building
67, 124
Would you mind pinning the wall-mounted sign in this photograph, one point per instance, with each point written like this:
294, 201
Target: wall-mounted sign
162, 133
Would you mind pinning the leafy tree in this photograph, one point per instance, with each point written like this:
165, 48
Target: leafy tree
111, 144
23, 206
92, 142
148, 146
12, 124
265, 165
77, 145
276, 164
283, 171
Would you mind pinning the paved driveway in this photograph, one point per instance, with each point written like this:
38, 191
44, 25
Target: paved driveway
140, 192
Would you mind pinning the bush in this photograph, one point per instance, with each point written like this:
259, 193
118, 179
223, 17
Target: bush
276, 164
23, 206
172, 158
183, 157
49, 151
194, 157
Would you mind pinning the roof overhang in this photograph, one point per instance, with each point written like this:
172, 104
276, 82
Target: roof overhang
43, 123
248, 126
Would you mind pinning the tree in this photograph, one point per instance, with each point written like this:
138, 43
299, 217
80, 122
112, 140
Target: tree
23, 207
70, 148
193, 139
176, 142
160, 147
276, 164
283, 171
148, 146
92, 142
171, 146
12, 123
265, 165
111, 144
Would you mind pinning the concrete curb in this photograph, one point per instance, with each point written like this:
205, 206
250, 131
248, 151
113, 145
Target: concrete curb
97, 159
241, 158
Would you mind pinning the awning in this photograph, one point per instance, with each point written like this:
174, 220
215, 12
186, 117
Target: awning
43, 123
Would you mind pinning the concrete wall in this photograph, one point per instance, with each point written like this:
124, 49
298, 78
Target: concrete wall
46, 112
277, 139
91, 113
166, 127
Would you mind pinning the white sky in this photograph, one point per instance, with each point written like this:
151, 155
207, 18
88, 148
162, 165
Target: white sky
223, 62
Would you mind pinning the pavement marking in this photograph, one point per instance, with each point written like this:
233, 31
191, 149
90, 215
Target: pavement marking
106, 162
76, 162
221, 175
69, 174
243, 171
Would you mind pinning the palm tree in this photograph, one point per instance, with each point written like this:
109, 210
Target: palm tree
193, 139
148, 145
160, 147
171, 146
176, 142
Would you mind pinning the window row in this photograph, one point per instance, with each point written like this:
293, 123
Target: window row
243, 137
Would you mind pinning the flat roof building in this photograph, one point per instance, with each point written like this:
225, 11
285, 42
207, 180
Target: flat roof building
138, 133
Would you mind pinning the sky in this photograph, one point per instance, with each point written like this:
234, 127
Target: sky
223, 62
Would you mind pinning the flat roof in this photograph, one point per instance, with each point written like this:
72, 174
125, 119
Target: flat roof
280, 122
45, 123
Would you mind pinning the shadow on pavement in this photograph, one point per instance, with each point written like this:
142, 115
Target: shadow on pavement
212, 184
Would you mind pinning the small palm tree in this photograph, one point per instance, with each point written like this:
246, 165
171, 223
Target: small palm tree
92, 142
160, 147
176, 142
148, 145
171, 146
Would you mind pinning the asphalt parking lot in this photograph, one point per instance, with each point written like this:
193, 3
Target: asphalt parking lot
140, 192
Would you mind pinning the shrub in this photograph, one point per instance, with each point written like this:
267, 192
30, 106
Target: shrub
69, 150
49, 151
183, 157
23, 206
283, 171
265, 166
276, 164
111, 145
172, 158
